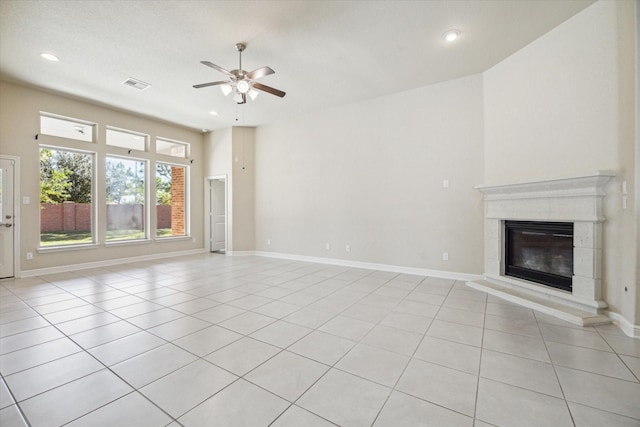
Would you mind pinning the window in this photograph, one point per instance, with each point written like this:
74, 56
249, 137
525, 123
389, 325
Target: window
171, 183
66, 128
66, 197
126, 139
125, 181
171, 148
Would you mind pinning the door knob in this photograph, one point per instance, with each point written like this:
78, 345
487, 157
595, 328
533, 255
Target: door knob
8, 225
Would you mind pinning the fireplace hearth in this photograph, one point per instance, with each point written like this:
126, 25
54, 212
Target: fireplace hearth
540, 252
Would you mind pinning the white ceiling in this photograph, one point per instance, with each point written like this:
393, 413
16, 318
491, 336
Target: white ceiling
325, 53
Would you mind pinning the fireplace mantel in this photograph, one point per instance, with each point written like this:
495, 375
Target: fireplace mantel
574, 199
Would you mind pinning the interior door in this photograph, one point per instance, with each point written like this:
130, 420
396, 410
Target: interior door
7, 229
218, 215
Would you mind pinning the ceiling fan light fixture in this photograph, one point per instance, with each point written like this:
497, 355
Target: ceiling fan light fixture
239, 82
451, 35
243, 86
226, 89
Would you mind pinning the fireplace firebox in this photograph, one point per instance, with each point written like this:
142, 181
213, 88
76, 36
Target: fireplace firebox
540, 252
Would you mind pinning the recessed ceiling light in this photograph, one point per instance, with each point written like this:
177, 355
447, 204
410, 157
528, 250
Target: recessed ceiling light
451, 35
49, 57
213, 113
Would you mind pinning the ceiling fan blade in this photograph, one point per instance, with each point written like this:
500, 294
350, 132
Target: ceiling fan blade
269, 89
259, 73
217, 67
209, 84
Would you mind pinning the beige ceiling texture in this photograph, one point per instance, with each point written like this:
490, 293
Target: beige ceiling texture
324, 53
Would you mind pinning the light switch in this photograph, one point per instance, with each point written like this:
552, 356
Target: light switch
26, 200
445, 183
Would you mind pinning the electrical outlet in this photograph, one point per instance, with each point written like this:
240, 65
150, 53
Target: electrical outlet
445, 256
268, 241
348, 248
327, 246
445, 183
29, 255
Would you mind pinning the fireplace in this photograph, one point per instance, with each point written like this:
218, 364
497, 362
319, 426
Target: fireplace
572, 257
540, 252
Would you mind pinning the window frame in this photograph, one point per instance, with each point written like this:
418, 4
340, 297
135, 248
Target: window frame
93, 210
187, 198
186, 145
146, 188
78, 122
144, 136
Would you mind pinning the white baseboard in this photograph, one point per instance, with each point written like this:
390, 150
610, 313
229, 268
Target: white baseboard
240, 253
367, 265
107, 263
627, 327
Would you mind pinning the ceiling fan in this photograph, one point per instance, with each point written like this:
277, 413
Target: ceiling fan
240, 81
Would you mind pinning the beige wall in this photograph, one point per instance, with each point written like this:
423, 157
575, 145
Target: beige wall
217, 163
230, 152
19, 123
243, 188
370, 175
564, 106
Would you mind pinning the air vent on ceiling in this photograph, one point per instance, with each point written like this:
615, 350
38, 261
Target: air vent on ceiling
137, 84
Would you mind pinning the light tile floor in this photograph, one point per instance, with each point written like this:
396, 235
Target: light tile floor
249, 341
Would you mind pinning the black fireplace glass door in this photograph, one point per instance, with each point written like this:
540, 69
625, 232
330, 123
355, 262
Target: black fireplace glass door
541, 252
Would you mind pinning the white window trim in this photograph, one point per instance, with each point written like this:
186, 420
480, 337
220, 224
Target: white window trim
130, 132
187, 151
92, 125
94, 207
147, 187
187, 204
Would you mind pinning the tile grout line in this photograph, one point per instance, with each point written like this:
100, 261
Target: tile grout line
484, 323
134, 389
333, 366
564, 397
393, 388
15, 402
249, 269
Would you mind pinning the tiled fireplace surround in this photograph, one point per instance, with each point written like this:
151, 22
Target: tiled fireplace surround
577, 200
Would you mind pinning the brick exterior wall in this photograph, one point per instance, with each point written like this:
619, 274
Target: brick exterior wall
83, 216
163, 216
177, 201
50, 217
70, 216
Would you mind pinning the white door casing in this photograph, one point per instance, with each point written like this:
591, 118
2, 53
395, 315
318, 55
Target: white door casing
7, 218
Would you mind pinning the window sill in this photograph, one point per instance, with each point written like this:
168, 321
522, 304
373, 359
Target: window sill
173, 239
127, 242
65, 248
